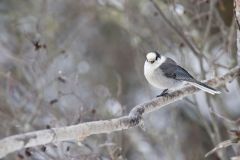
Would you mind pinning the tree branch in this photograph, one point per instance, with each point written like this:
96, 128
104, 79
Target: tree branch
81, 131
174, 28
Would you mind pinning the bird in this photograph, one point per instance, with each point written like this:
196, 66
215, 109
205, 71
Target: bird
164, 73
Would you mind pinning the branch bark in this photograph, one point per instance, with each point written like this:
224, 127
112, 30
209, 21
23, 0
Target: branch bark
81, 131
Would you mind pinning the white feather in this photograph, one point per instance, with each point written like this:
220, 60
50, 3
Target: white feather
151, 56
204, 88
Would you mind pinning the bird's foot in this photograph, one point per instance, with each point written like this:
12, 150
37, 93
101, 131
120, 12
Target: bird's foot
164, 93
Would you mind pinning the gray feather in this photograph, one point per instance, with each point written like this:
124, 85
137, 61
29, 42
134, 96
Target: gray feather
172, 70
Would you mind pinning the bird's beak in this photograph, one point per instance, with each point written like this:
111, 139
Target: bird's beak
150, 61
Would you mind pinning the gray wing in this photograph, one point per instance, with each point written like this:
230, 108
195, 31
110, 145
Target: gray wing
172, 70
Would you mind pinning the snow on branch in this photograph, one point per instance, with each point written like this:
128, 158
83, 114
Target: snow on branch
80, 131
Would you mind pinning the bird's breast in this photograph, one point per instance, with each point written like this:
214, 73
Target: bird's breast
157, 79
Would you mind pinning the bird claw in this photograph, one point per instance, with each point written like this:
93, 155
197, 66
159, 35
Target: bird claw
164, 93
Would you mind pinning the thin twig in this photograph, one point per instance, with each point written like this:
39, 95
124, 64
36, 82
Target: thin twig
179, 33
209, 23
222, 145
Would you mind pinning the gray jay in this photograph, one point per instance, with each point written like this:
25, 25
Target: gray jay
164, 73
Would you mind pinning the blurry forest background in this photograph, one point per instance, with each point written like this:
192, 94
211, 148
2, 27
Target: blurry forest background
65, 62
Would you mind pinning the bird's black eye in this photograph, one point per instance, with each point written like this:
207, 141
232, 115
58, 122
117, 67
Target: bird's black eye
158, 55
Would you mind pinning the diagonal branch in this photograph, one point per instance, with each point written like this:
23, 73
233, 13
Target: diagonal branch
176, 29
81, 131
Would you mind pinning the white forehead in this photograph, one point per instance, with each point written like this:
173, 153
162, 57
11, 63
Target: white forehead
151, 56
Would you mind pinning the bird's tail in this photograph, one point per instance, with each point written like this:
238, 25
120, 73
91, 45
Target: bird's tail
204, 87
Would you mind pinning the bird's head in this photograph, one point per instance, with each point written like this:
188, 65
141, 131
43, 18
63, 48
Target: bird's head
153, 57
154, 60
